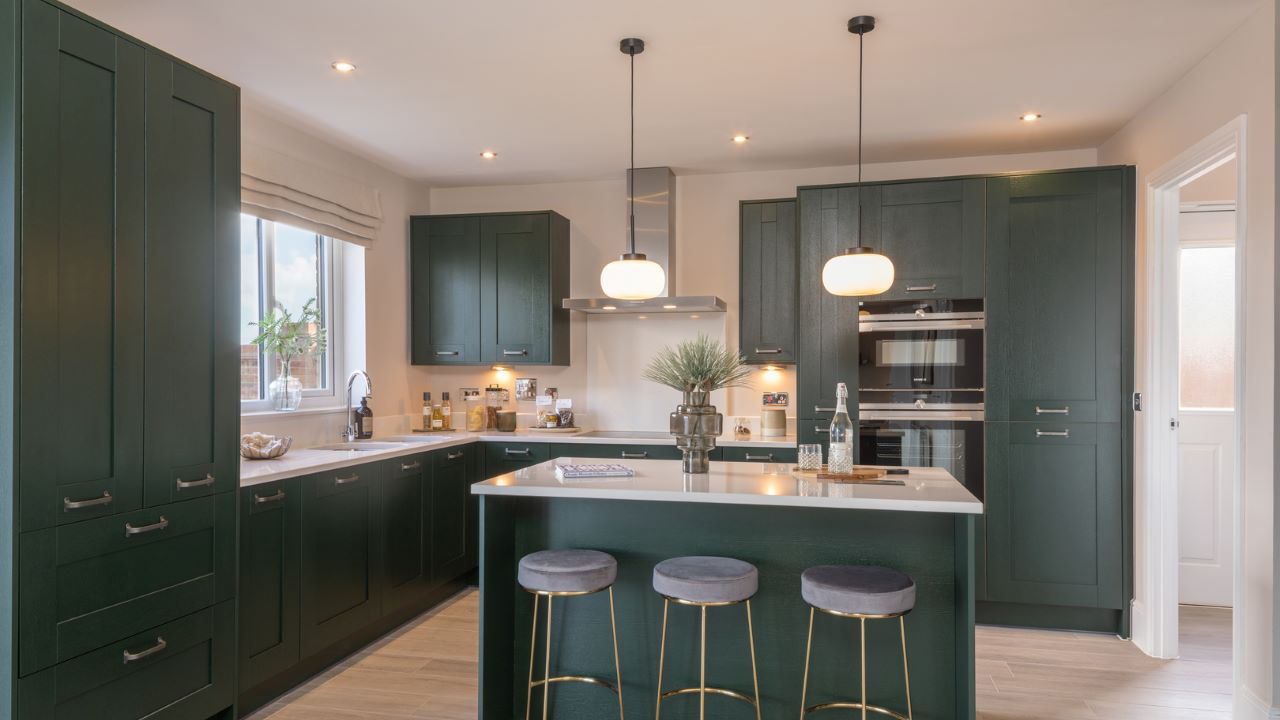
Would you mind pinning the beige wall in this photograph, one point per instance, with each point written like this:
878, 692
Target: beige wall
1236, 78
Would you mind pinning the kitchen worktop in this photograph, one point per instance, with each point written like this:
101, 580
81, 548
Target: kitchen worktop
739, 483
304, 461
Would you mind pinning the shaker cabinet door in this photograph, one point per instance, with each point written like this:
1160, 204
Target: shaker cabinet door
81, 372
515, 298
406, 531
767, 282
934, 234
270, 565
445, 290
454, 528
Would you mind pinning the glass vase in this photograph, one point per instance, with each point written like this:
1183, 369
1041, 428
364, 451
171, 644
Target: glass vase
285, 392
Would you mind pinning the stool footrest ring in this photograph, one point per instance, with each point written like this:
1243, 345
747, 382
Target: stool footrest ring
854, 706
710, 691
576, 678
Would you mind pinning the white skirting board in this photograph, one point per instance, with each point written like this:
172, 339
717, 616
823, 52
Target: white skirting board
1250, 707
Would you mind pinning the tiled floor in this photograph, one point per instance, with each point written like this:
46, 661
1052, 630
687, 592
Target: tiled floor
427, 671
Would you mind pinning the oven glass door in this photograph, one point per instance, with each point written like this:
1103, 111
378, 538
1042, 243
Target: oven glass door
920, 359
955, 445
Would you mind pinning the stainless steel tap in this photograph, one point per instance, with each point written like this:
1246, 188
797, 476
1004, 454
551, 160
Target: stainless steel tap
349, 434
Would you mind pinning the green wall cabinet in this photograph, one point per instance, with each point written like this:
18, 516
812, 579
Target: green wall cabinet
270, 573
407, 517
934, 233
767, 281
488, 288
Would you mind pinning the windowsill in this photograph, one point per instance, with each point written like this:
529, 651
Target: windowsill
331, 409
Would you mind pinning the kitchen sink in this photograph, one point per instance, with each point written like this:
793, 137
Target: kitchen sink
360, 446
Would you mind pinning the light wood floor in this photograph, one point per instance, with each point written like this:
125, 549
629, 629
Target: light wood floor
426, 670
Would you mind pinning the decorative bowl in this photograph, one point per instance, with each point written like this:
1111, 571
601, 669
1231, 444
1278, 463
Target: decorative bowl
259, 446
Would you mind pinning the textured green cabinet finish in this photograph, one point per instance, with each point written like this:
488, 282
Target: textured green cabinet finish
270, 572
188, 676
767, 281
192, 283
94, 582
503, 458
617, 452
455, 528
341, 555
762, 455
1054, 514
82, 269
445, 267
406, 531
934, 232
524, 276
1061, 267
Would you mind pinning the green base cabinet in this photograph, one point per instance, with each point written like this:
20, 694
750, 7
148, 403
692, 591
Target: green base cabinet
761, 455
501, 458
406, 521
270, 573
767, 281
455, 528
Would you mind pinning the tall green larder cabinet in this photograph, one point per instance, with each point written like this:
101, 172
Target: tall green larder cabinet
119, 201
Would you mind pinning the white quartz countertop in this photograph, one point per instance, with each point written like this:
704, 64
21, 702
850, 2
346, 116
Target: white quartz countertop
304, 461
742, 483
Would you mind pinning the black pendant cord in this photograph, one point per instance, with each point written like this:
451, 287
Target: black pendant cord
860, 66
631, 176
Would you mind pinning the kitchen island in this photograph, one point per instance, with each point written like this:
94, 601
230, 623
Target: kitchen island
754, 512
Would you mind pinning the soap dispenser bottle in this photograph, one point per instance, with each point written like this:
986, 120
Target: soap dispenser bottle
364, 420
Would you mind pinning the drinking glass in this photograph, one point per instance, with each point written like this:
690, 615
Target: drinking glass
809, 456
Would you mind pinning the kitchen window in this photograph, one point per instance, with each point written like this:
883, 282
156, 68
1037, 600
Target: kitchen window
283, 267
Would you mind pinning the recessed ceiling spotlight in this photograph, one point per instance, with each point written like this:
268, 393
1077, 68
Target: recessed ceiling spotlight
343, 67
1030, 116
740, 139
488, 154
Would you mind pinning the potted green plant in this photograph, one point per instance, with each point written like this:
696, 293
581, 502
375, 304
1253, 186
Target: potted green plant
696, 368
286, 339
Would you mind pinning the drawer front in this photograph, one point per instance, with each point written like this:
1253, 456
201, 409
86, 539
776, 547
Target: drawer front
1059, 411
619, 452
178, 670
763, 455
92, 583
501, 458
452, 457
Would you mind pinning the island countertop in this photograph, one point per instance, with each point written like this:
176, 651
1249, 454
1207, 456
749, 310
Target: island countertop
739, 483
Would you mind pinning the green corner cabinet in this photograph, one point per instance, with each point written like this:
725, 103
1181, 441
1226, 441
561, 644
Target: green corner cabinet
120, 193
488, 289
767, 279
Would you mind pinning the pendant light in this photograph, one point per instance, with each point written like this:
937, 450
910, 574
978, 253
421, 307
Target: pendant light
632, 276
860, 270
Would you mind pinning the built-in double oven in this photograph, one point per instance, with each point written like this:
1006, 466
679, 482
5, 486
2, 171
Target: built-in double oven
921, 377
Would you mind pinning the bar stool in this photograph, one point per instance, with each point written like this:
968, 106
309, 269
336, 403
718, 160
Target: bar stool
567, 573
866, 593
705, 582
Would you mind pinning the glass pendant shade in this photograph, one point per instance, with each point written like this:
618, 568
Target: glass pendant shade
633, 277
857, 272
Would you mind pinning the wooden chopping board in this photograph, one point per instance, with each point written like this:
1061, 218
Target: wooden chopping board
859, 476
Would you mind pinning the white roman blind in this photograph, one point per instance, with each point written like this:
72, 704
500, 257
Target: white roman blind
274, 186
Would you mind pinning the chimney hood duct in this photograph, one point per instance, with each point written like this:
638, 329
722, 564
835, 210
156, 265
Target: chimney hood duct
655, 237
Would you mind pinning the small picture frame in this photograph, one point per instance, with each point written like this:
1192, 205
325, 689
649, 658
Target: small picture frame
526, 388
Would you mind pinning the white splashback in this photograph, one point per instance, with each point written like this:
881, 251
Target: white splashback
619, 348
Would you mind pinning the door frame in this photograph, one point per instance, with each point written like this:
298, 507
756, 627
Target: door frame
1156, 550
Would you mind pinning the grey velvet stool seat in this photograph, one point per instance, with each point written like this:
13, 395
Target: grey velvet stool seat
704, 582
567, 573
863, 592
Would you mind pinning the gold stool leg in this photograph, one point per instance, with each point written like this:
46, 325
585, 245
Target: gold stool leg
546, 670
751, 640
862, 639
808, 649
906, 669
617, 664
533, 649
662, 656
702, 673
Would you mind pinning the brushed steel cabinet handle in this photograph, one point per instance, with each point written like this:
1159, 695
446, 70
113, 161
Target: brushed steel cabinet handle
455, 456
136, 656
513, 452
264, 499
922, 288
634, 456
345, 480
1053, 411
822, 431
69, 504
759, 458
823, 410
187, 484
130, 529
1053, 433
920, 380
768, 351
515, 352
410, 466
447, 353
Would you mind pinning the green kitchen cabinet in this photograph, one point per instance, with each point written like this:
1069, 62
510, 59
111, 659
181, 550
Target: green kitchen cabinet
767, 280
934, 232
500, 458
617, 452
407, 516
445, 269
270, 573
341, 555
455, 527
758, 454
488, 289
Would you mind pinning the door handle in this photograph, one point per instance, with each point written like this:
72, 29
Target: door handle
758, 458
922, 288
1053, 433
512, 452
455, 456
446, 352
823, 410
188, 484
136, 656
130, 529
69, 504
264, 499
768, 351
406, 467
822, 430
1053, 411
919, 380
634, 456
517, 353
345, 480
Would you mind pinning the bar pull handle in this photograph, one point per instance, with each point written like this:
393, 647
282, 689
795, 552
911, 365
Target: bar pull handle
822, 430
1053, 411
69, 504
634, 456
130, 529
1053, 433
264, 499
338, 481
136, 656
516, 353
406, 467
455, 456
823, 410
447, 353
922, 288
513, 452
768, 351
188, 484
920, 379
758, 458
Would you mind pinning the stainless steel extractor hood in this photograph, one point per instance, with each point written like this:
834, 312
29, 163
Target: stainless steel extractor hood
655, 190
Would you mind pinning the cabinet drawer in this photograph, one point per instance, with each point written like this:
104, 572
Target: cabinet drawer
503, 458
94, 582
451, 457
1060, 411
764, 455
178, 670
618, 452
916, 288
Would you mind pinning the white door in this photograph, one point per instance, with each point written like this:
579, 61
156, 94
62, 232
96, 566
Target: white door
1206, 436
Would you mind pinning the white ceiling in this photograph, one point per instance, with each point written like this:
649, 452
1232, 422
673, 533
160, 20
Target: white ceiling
543, 82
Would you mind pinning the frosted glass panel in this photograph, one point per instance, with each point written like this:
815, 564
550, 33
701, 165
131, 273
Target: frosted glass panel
1206, 318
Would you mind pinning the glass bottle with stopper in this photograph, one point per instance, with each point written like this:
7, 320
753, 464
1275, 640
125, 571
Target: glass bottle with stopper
840, 451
